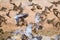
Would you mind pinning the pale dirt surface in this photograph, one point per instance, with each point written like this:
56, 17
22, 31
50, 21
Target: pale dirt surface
49, 30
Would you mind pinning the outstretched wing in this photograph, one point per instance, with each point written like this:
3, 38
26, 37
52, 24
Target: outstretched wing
15, 7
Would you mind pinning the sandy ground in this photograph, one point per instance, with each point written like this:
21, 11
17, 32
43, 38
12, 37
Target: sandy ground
49, 30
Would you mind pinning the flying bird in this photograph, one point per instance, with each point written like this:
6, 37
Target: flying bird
50, 21
33, 8
3, 9
44, 12
49, 8
21, 16
55, 3
20, 6
56, 13
15, 7
38, 7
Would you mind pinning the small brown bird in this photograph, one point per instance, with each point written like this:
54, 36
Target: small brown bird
55, 3
3, 9
44, 12
33, 8
56, 13
15, 7
50, 21
38, 7
2, 19
19, 7
49, 8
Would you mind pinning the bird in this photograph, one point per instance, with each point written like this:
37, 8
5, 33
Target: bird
15, 7
3, 9
45, 12
50, 21
55, 3
21, 16
33, 8
20, 6
49, 8
2, 19
56, 13
38, 7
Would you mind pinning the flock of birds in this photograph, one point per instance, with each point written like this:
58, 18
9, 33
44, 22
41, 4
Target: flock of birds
27, 34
